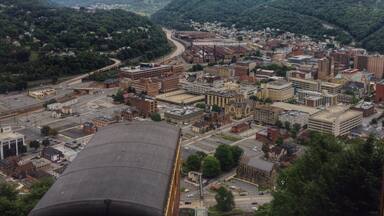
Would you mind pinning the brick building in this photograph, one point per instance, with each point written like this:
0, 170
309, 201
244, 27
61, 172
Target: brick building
149, 85
379, 95
168, 84
144, 104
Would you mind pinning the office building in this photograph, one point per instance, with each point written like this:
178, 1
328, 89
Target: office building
326, 68
336, 120
148, 70
360, 62
222, 98
168, 84
185, 115
145, 105
12, 143
124, 170
313, 85
316, 99
279, 90
376, 66
266, 114
148, 85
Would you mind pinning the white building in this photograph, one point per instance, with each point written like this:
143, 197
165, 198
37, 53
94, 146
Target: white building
11, 143
337, 120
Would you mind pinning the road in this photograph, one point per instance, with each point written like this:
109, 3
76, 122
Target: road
175, 53
116, 63
189, 143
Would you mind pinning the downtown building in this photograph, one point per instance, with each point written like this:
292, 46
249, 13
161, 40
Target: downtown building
326, 69
148, 70
221, 99
11, 143
279, 90
336, 120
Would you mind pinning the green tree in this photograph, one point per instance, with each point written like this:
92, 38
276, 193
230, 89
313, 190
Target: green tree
14, 204
287, 125
280, 141
45, 142
196, 67
45, 130
224, 199
254, 98
210, 167
296, 127
216, 108
374, 121
265, 150
193, 163
53, 132
34, 144
279, 124
156, 117
237, 152
334, 177
119, 96
224, 154
200, 105
268, 100
264, 210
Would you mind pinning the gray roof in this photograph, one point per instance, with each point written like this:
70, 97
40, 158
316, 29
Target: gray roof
260, 164
129, 164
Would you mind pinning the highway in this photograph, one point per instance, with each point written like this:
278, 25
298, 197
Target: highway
116, 64
175, 53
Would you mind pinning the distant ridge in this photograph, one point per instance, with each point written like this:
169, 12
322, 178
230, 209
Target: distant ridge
348, 20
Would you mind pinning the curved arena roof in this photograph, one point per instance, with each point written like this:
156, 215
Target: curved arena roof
124, 170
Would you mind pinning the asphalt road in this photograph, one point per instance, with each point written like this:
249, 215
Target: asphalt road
177, 52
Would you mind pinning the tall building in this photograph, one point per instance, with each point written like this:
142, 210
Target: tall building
336, 120
124, 170
313, 85
167, 84
222, 98
326, 68
360, 62
11, 143
145, 105
376, 66
266, 114
325, 98
279, 90
148, 85
147, 70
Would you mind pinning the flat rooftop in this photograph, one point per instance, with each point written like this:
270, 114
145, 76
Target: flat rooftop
10, 135
336, 113
279, 84
288, 107
180, 97
184, 111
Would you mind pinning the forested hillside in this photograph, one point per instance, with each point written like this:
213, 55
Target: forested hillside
137, 6
40, 42
334, 177
358, 20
